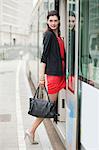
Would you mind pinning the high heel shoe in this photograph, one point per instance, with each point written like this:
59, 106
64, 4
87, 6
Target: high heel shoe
30, 137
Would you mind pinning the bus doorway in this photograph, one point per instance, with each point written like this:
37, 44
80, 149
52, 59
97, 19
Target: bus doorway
72, 75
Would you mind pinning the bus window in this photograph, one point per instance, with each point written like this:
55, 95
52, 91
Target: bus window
89, 42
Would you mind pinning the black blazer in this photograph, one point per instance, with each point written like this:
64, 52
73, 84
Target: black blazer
51, 55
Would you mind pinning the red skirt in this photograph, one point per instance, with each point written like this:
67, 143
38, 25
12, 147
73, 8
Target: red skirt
55, 83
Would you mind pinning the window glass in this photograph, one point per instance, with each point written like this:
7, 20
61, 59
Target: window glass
73, 7
71, 48
46, 5
89, 42
51, 5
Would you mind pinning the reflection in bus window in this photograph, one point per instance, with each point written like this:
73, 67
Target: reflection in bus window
71, 51
89, 42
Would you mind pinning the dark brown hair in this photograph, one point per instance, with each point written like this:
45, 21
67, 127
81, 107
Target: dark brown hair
72, 14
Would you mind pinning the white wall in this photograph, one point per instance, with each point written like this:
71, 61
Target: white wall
90, 117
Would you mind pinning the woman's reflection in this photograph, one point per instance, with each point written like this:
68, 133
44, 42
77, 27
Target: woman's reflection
71, 59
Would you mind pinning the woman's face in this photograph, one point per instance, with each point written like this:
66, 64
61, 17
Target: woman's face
53, 22
71, 22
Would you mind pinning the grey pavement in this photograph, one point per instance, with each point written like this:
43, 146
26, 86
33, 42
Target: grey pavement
14, 119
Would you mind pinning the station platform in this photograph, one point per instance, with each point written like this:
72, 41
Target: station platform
14, 119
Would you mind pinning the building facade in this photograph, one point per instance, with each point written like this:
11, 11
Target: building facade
14, 21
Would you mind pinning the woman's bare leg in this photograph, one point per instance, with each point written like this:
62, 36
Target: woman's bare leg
53, 97
38, 121
35, 124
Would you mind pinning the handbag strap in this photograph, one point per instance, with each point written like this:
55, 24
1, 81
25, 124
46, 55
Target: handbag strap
37, 92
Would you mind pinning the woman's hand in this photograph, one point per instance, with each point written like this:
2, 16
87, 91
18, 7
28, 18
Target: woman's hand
42, 75
42, 83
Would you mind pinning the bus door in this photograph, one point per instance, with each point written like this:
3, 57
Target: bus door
71, 74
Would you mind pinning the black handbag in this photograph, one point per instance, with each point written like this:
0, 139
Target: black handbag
42, 108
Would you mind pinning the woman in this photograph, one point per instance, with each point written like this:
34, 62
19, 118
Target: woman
52, 65
71, 60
